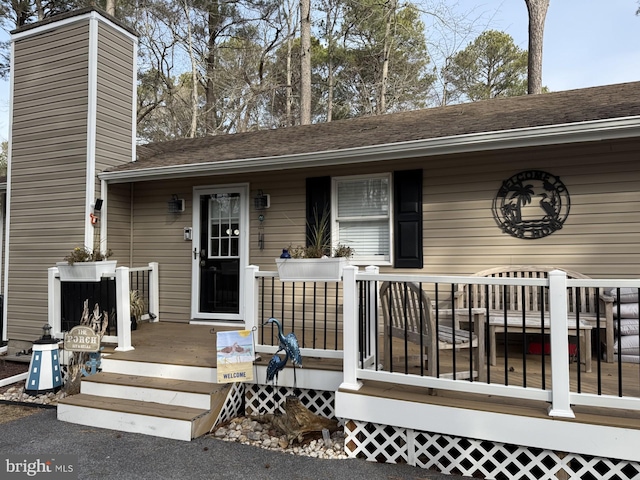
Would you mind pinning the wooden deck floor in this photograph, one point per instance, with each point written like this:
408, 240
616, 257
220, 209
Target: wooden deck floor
195, 345
173, 343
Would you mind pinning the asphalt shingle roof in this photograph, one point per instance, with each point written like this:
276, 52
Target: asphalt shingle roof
500, 114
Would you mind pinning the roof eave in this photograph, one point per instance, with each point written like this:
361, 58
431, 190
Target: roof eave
591, 131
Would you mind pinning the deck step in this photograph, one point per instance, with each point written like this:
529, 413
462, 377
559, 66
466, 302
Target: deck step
149, 418
160, 390
112, 364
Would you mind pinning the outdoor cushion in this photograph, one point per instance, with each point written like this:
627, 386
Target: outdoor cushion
627, 294
627, 310
629, 326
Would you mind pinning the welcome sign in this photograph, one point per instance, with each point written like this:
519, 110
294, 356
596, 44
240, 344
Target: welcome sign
81, 339
235, 356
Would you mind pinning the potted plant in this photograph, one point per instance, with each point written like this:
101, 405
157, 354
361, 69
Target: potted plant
83, 264
137, 308
314, 263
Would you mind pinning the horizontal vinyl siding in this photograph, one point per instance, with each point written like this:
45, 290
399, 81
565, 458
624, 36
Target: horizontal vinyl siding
48, 167
461, 237
158, 237
599, 237
118, 206
114, 118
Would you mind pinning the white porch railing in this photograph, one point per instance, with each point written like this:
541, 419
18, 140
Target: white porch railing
122, 278
559, 396
359, 365
252, 322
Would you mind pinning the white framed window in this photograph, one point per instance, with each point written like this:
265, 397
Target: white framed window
362, 217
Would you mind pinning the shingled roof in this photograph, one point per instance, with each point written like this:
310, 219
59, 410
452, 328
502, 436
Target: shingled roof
495, 115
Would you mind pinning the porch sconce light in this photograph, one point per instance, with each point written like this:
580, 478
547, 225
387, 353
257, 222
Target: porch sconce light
175, 205
98, 205
262, 200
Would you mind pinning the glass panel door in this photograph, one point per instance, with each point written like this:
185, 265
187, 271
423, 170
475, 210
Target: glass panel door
219, 253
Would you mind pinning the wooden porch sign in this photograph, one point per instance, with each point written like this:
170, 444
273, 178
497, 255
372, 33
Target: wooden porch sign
81, 339
235, 356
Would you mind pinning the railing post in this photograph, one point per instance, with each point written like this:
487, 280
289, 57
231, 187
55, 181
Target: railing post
154, 292
250, 297
123, 309
350, 328
560, 386
54, 310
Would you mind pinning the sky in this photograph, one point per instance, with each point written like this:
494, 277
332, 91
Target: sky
586, 42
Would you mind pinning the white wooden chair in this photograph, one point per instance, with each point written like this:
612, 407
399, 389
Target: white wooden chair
408, 313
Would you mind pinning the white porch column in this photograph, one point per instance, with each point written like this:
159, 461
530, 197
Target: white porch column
154, 292
350, 328
251, 298
560, 406
123, 309
54, 302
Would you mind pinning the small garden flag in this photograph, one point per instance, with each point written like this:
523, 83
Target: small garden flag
235, 355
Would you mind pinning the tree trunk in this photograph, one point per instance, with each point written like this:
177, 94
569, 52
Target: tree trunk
329, 67
110, 7
381, 106
210, 112
298, 422
305, 67
537, 14
194, 76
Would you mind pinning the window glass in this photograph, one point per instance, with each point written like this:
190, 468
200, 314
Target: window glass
362, 206
224, 231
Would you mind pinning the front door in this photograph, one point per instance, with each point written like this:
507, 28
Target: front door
220, 252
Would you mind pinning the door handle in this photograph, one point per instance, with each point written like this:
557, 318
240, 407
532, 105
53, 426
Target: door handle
195, 253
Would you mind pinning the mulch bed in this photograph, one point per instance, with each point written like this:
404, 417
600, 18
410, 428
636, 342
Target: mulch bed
9, 369
9, 411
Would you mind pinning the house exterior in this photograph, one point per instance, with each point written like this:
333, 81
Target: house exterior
536, 180
439, 175
436, 176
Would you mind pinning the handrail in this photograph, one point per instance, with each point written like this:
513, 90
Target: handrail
358, 367
122, 278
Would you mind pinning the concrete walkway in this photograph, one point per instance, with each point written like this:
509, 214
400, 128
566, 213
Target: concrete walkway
107, 454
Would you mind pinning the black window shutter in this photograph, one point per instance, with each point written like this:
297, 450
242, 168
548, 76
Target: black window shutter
318, 202
407, 206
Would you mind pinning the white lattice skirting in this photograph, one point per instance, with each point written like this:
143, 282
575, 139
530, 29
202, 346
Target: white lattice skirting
475, 458
232, 406
262, 399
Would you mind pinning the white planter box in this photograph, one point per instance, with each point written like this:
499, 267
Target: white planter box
311, 269
85, 271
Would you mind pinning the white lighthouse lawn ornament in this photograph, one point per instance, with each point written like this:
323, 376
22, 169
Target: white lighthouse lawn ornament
44, 369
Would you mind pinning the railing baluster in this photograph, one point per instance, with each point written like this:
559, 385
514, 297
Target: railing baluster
544, 340
324, 341
524, 305
486, 332
505, 294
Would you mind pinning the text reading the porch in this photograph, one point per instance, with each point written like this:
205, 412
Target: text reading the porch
81, 339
